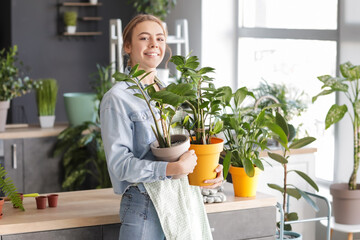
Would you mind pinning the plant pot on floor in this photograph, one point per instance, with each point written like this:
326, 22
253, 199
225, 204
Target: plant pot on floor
345, 204
80, 107
208, 159
180, 144
4, 107
47, 121
290, 235
244, 186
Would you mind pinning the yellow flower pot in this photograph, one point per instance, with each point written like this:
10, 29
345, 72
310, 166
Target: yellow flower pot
208, 159
244, 186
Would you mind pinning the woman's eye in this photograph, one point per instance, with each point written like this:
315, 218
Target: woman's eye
161, 39
143, 38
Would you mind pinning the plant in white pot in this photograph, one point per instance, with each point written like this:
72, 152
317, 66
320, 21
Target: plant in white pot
11, 84
46, 95
346, 196
163, 105
279, 128
70, 20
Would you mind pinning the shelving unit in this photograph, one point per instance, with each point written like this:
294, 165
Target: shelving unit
87, 27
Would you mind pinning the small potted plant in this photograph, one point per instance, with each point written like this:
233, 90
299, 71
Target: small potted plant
70, 20
11, 84
8, 188
201, 118
166, 101
46, 94
280, 129
246, 135
346, 196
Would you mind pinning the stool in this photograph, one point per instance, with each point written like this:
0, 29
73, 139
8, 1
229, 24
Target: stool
350, 229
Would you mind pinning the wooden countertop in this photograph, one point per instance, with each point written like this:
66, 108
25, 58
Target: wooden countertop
97, 207
31, 131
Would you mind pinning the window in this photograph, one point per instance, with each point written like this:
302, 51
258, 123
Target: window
292, 42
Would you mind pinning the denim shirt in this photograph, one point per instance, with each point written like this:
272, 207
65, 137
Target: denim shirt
126, 132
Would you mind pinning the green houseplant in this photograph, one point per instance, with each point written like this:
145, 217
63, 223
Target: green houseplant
346, 197
201, 119
81, 146
8, 188
246, 135
159, 8
167, 101
46, 94
70, 20
11, 84
280, 129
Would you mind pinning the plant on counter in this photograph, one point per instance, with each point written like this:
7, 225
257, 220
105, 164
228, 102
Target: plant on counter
279, 128
46, 94
11, 84
245, 132
8, 188
167, 101
82, 148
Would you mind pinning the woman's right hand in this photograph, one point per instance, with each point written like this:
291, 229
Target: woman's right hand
184, 165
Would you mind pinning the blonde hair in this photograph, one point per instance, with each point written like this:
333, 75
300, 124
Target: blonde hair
128, 30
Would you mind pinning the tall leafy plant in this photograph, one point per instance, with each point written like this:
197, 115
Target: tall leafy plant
46, 95
11, 84
70, 18
9, 189
202, 119
245, 132
348, 84
81, 147
280, 129
167, 101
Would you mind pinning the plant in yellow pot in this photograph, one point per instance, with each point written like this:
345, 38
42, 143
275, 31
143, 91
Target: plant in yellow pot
201, 119
246, 135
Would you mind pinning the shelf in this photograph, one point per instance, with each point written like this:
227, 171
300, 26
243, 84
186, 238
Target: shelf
80, 4
82, 34
91, 18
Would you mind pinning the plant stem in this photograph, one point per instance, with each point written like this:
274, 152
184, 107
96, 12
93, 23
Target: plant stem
352, 181
285, 186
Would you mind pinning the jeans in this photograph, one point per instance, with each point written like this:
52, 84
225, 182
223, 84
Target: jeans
138, 217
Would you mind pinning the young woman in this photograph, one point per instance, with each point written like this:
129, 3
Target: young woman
126, 133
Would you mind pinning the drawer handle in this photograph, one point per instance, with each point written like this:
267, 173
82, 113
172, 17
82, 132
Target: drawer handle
14, 158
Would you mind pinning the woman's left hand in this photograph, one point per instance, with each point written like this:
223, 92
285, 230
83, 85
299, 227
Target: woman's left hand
216, 182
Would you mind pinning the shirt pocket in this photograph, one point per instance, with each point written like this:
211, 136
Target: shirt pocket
143, 121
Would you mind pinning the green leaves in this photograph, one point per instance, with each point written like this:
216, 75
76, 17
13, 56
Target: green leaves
8, 188
335, 114
301, 142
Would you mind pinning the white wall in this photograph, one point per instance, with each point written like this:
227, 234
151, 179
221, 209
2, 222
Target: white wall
212, 35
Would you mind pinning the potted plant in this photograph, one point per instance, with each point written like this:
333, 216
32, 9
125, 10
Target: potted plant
246, 135
81, 145
9, 189
46, 93
291, 101
159, 8
11, 85
70, 20
280, 129
166, 101
201, 118
346, 197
